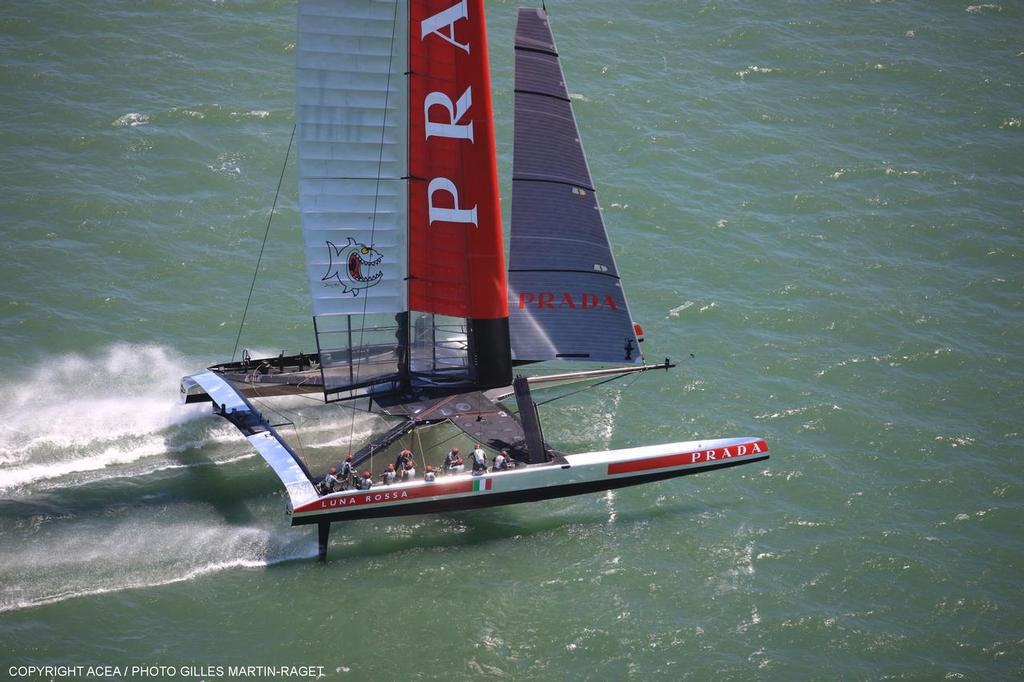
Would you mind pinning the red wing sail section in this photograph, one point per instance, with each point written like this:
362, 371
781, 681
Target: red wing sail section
456, 259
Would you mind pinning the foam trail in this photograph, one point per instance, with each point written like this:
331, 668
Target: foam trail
18, 476
79, 413
73, 558
80, 419
116, 414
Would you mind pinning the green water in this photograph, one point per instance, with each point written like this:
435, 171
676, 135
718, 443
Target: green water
820, 200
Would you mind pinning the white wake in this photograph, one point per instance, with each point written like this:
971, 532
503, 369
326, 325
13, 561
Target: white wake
80, 413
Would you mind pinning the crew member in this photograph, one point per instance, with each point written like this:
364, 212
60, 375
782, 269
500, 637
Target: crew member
428, 476
364, 482
501, 461
389, 475
409, 472
347, 472
453, 462
405, 457
479, 460
331, 482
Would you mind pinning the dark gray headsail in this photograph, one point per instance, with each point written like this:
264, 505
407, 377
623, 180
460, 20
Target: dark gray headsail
565, 298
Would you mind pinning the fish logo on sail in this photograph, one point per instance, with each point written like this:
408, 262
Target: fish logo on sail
354, 266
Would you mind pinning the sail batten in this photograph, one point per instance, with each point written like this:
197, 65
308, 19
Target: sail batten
565, 298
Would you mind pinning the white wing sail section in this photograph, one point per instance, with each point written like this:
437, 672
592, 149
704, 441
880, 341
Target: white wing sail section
263, 437
352, 127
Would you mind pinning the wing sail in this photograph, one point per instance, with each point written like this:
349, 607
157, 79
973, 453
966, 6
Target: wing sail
352, 128
399, 194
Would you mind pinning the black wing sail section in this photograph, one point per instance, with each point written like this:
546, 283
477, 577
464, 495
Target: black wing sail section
565, 298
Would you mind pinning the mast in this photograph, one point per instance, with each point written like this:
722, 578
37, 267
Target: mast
456, 261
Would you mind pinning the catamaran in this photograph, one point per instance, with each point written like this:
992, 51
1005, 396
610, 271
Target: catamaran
414, 311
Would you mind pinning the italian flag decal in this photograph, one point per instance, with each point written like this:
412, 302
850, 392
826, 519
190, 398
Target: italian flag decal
481, 485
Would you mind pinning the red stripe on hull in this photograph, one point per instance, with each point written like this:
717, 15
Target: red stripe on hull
384, 494
685, 458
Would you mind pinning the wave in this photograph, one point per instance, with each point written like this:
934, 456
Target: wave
115, 414
81, 413
127, 390
198, 112
90, 557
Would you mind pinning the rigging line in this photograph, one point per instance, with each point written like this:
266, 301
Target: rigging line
298, 439
585, 388
261, 401
321, 402
288, 417
419, 446
292, 417
259, 260
283, 415
459, 434
376, 197
590, 386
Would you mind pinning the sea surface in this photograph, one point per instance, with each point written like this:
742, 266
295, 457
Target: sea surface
821, 200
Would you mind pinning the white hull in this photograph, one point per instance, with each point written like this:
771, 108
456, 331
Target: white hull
582, 473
